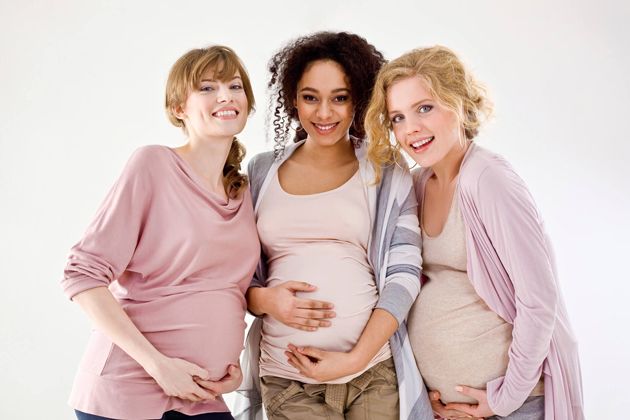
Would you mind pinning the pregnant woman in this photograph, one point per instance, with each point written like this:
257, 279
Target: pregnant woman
340, 249
163, 268
489, 330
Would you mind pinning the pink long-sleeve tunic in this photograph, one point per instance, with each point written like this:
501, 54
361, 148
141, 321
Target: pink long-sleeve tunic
511, 266
179, 259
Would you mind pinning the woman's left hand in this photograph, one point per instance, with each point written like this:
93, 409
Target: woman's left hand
230, 382
323, 366
479, 410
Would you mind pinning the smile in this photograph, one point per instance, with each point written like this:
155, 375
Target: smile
420, 143
325, 128
225, 114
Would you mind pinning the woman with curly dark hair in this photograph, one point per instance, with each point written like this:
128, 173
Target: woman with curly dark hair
341, 248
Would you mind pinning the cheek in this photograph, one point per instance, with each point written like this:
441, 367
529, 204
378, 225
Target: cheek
398, 133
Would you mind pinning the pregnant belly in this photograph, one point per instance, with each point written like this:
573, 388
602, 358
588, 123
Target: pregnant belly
467, 346
205, 328
346, 282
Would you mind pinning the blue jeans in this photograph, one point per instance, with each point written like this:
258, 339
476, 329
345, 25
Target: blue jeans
169, 415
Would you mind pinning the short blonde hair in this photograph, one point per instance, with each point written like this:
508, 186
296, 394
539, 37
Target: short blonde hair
448, 81
185, 76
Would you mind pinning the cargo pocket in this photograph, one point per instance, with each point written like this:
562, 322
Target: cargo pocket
272, 384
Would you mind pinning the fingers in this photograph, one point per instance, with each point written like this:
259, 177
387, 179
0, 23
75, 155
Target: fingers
203, 394
306, 324
299, 286
195, 370
309, 351
318, 314
478, 394
469, 409
295, 362
314, 304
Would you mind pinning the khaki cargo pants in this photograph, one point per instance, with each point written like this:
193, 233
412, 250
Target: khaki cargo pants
371, 396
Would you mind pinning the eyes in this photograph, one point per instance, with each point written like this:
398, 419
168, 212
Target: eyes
211, 88
422, 109
340, 99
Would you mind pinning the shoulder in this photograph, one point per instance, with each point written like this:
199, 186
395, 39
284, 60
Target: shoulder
490, 178
483, 168
147, 162
260, 162
149, 156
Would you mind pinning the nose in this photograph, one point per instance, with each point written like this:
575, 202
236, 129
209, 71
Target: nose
412, 125
224, 94
324, 110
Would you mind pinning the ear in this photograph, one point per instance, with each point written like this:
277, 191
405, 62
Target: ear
178, 111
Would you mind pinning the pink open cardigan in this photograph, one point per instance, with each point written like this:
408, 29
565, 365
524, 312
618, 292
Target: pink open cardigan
511, 266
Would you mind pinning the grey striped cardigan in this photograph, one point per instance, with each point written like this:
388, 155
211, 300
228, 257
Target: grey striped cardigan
393, 253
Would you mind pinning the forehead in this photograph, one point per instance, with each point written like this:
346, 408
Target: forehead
406, 92
219, 72
323, 75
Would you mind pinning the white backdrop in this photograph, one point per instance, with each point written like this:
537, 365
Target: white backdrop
82, 84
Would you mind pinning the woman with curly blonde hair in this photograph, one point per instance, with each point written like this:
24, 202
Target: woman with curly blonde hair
489, 330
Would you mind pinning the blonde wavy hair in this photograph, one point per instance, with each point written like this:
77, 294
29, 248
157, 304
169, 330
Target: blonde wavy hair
185, 76
448, 81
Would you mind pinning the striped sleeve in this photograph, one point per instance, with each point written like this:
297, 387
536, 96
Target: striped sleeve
403, 258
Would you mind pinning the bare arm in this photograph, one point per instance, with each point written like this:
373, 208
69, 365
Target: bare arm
175, 376
281, 303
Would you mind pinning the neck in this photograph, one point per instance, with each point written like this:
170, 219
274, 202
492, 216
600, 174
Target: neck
207, 157
446, 170
332, 154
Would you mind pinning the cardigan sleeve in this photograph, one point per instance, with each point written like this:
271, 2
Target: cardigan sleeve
402, 276
107, 246
257, 170
515, 228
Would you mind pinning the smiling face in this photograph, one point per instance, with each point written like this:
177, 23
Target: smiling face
427, 130
324, 104
217, 108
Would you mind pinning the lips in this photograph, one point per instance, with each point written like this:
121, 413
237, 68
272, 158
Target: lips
422, 143
226, 113
325, 128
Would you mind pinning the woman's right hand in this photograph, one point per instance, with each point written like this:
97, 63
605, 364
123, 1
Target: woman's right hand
440, 410
281, 303
177, 377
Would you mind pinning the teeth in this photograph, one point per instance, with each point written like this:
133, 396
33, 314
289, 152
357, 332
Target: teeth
225, 113
421, 143
325, 127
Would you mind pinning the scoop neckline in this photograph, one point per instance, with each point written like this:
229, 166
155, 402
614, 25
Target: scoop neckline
196, 179
356, 173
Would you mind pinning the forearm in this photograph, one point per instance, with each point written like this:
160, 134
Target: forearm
109, 317
379, 329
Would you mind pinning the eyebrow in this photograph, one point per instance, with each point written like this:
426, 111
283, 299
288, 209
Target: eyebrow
213, 80
338, 90
412, 106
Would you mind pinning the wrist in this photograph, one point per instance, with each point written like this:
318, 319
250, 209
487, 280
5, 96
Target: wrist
357, 360
152, 362
256, 300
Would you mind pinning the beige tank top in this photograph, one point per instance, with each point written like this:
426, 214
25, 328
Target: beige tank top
320, 239
456, 338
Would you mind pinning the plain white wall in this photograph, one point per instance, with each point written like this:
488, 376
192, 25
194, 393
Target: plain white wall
82, 87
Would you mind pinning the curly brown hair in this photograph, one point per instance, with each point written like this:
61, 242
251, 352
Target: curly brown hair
359, 59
